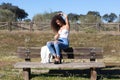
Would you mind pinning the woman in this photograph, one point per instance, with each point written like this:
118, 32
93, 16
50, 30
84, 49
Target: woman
61, 29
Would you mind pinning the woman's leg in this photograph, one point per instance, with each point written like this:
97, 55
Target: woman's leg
51, 48
60, 44
57, 47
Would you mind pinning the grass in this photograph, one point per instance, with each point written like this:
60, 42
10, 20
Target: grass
11, 40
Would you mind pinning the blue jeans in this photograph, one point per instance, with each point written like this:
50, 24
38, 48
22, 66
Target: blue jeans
56, 46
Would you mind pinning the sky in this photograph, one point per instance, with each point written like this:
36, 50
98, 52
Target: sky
33, 7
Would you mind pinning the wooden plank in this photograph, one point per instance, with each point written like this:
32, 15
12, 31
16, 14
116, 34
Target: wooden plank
116, 64
75, 50
71, 65
31, 50
64, 56
84, 49
70, 53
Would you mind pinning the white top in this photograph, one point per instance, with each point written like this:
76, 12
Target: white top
63, 33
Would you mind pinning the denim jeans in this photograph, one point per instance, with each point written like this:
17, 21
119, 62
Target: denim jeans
55, 46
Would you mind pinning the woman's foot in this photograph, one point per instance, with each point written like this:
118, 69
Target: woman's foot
57, 61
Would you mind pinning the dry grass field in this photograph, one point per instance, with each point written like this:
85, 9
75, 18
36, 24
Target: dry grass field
9, 41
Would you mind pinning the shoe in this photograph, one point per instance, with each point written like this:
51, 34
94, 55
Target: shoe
57, 62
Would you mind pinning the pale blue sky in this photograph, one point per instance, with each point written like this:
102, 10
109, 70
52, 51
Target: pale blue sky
33, 7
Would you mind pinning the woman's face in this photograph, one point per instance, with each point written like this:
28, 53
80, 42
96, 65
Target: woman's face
59, 23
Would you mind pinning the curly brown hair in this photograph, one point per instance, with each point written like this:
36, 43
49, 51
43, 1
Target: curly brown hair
54, 25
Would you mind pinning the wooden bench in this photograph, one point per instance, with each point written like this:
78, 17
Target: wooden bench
91, 53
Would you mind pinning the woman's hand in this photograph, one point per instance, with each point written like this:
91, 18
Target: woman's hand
62, 14
56, 36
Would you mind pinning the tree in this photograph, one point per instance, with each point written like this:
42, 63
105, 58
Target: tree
19, 13
94, 13
73, 17
90, 17
93, 17
27, 20
38, 19
109, 17
6, 15
82, 18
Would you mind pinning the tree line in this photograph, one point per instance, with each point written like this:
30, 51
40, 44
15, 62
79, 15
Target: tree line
9, 12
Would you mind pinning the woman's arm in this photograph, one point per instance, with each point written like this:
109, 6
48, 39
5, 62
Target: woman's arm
56, 36
67, 21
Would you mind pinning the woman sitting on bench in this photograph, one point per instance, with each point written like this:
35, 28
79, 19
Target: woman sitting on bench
61, 28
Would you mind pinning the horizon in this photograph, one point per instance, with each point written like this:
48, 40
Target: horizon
71, 6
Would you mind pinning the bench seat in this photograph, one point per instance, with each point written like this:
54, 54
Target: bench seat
64, 65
